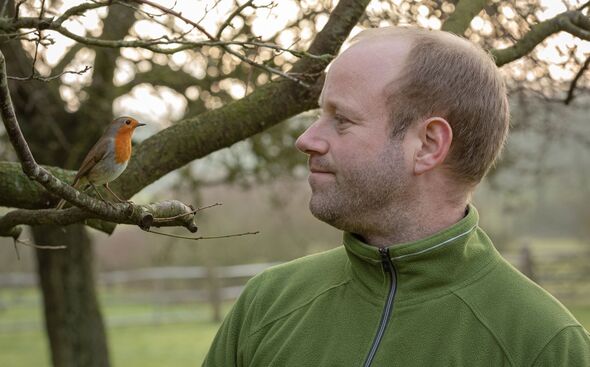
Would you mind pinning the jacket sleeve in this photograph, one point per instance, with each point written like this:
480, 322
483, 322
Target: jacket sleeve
229, 344
569, 347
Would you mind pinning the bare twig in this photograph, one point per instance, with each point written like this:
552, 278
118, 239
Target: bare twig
570, 92
147, 13
42, 247
14, 240
202, 237
176, 14
231, 17
17, 35
224, 47
17, 8
35, 76
164, 44
79, 10
39, 37
207, 10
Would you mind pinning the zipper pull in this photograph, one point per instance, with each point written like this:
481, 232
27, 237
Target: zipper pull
385, 260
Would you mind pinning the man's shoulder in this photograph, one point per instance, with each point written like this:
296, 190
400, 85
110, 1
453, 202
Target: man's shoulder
286, 287
311, 273
521, 315
308, 266
507, 288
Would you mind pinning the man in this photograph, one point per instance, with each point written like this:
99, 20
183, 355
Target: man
411, 121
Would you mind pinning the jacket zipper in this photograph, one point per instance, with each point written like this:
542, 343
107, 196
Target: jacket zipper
390, 270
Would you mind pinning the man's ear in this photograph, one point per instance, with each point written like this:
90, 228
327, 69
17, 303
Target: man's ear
435, 136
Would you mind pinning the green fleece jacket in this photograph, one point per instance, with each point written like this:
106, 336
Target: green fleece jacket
447, 300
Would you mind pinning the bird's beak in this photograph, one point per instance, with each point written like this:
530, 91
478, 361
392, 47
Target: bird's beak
139, 124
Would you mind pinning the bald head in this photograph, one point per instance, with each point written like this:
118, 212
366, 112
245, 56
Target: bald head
358, 74
437, 74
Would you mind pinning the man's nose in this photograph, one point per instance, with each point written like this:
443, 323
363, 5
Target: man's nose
313, 140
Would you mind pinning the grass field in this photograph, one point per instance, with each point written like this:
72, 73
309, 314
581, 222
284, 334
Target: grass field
139, 335
146, 346
143, 335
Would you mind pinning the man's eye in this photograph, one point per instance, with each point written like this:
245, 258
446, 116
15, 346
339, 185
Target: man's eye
341, 119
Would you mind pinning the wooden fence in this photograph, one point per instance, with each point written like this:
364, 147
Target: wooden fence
564, 274
163, 285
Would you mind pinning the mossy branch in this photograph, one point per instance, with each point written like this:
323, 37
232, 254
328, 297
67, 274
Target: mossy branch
465, 11
573, 22
89, 207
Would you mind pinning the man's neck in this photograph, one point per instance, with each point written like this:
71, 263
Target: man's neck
412, 226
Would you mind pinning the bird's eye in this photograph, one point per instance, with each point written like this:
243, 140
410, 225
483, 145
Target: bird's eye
128, 122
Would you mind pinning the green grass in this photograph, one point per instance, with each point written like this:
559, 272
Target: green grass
166, 345
182, 337
582, 313
24, 348
142, 335
142, 346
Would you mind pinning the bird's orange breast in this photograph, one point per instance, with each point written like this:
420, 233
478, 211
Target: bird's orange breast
123, 146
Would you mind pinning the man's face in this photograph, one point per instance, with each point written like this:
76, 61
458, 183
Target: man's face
358, 172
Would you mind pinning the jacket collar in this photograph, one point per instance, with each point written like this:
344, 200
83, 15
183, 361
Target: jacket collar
428, 267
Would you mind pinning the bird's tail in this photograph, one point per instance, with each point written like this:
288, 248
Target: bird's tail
63, 202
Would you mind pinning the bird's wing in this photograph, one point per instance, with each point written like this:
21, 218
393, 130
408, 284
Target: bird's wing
94, 156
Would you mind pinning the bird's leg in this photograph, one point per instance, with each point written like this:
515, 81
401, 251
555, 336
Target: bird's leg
106, 186
99, 195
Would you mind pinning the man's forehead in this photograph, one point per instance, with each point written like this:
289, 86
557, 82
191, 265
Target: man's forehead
373, 58
370, 63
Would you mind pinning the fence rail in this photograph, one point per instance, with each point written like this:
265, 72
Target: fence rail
19, 280
565, 274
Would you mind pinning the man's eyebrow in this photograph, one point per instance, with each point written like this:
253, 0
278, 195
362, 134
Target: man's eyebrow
334, 106
341, 108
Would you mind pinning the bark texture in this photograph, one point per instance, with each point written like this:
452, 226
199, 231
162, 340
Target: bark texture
72, 313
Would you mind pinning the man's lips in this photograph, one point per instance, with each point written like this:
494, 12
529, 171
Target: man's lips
318, 170
314, 170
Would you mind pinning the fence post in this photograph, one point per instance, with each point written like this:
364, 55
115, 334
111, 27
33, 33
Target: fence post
213, 283
527, 265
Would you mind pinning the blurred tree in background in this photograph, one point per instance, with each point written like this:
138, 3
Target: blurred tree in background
207, 75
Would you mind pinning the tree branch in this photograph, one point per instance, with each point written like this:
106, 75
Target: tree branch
162, 45
34, 75
570, 92
231, 17
119, 213
196, 137
459, 20
573, 22
80, 10
170, 213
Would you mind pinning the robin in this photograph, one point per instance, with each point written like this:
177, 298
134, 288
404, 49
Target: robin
108, 158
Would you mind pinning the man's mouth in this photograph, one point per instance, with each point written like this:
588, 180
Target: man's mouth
318, 170
316, 166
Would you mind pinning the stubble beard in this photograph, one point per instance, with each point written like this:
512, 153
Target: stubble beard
365, 197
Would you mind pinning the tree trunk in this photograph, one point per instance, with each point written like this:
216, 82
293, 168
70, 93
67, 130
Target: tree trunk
73, 319
72, 314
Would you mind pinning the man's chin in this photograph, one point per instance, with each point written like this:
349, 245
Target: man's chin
325, 213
